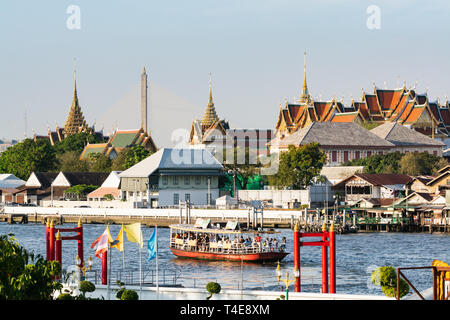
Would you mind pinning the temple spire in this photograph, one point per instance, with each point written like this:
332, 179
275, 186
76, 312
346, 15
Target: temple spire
210, 115
75, 122
305, 97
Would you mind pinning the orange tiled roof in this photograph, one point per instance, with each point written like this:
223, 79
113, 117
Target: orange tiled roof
345, 117
389, 99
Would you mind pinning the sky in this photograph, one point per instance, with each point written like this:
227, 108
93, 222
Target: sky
254, 50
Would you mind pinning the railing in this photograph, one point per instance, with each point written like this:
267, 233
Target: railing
438, 291
133, 277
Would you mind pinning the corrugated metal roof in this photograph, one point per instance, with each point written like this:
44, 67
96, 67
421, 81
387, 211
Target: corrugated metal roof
177, 159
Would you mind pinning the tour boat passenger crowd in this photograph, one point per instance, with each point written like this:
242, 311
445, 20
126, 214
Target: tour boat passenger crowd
205, 242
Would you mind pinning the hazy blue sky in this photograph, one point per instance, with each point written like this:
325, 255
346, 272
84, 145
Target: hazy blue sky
254, 50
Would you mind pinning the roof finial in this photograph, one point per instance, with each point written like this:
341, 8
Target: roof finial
210, 99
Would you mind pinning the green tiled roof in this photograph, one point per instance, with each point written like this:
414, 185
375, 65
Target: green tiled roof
123, 139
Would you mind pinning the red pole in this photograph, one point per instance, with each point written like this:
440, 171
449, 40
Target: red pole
58, 248
324, 260
105, 267
297, 257
332, 259
80, 243
52, 241
47, 239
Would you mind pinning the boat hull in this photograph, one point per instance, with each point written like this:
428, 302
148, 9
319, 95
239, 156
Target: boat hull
248, 257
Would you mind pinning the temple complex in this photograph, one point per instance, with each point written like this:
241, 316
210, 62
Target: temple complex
122, 139
75, 122
207, 128
403, 105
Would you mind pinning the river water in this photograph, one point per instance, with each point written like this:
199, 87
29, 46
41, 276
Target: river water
358, 254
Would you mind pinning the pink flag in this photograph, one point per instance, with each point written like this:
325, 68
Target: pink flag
101, 243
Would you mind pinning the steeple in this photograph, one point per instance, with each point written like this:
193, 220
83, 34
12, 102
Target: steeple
75, 122
305, 97
210, 115
144, 100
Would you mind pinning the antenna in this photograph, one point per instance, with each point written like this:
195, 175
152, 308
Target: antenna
25, 123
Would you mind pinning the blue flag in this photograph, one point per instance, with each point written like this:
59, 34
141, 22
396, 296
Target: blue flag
153, 244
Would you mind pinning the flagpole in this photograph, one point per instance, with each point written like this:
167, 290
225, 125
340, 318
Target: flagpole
140, 265
123, 251
157, 280
109, 252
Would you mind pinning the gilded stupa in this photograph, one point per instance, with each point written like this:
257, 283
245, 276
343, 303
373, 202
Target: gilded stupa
209, 125
75, 122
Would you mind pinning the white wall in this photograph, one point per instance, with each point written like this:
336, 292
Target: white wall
164, 293
198, 197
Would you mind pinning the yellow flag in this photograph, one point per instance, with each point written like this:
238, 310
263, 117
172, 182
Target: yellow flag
118, 243
134, 233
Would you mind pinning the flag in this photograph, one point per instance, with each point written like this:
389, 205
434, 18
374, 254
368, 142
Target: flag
153, 244
134, 233
101, 243
118, 243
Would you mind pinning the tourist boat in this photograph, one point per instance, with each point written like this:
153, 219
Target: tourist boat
206, 242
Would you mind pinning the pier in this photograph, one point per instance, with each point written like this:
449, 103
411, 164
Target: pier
246, 218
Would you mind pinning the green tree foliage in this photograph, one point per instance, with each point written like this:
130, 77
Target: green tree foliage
299, 166
75, 142
80, 190
421, 163
386, 278
24, 276
413, 163
388, 163
243, 165
27, 156
70, 162
128, 157
99, 163
212, 288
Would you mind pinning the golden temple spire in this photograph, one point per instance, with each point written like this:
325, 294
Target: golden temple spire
210, 115
305, 97
75, 122
210, 100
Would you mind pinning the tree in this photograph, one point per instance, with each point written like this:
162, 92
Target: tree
99, 163
422, 163
128, 157
70, 162
244, 165
299, 166
27, 156
386, 278
388, 163
80, 190
24, 276
75, 142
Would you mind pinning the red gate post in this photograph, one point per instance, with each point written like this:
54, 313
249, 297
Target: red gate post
324, 260
47, 239
297, 257
332, 234
105, 267
58, 248
80, 243
51, 241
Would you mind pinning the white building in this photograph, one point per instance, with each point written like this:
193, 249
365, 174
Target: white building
172, 175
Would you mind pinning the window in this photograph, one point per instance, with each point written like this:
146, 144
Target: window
198, 179
369, 153
175, 180
176, 198
165, 180
333, 156
345, 156
187, 180
187, 197
357, 155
